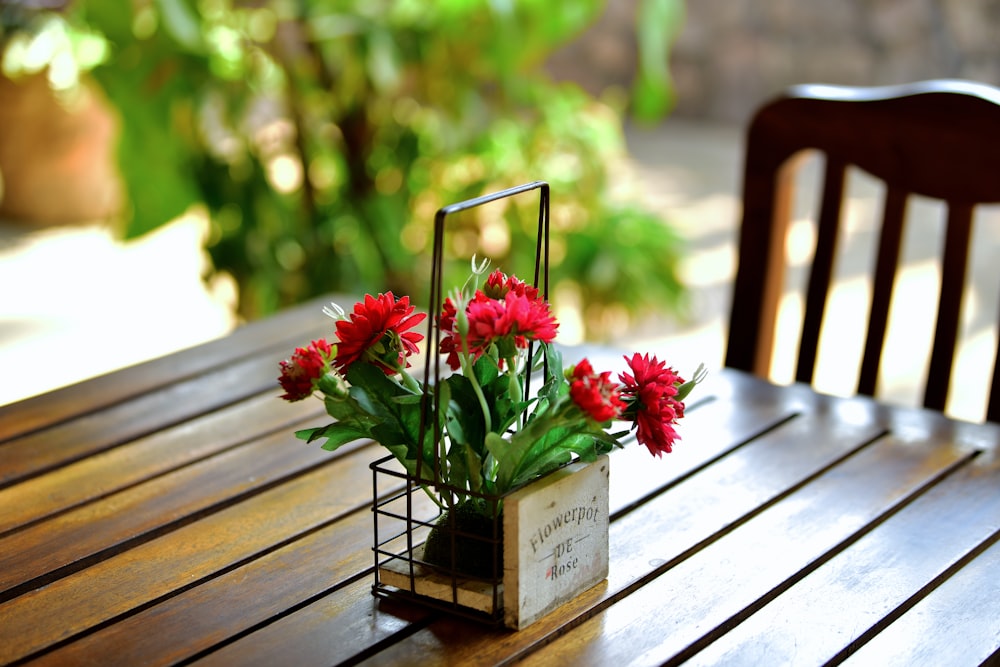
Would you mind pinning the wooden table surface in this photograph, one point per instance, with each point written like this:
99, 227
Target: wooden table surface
165, 514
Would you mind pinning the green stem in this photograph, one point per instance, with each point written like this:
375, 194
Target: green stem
409, 382
442, 457
432, 496
516, 395
468, 372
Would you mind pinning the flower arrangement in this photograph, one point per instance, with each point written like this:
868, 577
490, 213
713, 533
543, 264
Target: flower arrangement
490, 435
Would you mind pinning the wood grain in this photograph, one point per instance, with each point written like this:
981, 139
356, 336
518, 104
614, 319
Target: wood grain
125, 582
214, 537
318, 565
955, 623
873, 578
293, 326
72, 540
669, 527
705, 595
156, 454
95, 432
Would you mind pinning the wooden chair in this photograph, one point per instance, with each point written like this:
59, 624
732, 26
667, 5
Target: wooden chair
940, 139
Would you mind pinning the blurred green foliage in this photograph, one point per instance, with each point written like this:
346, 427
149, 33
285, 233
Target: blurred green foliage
323, 135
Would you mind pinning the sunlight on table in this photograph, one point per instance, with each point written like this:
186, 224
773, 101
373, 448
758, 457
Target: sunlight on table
78, 303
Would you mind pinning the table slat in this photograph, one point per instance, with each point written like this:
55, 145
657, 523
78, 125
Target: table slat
228, 605
183, 522
647, 541
873, 578
290, 327
706, 595
92, 433
123, 583
70, 541
957, 623
159, 453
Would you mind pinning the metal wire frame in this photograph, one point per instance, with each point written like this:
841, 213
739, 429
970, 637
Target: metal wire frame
387, 547
381, 507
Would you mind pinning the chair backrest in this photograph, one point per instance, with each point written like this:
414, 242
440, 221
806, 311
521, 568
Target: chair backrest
939, 139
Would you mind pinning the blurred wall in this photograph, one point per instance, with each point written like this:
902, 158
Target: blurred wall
731, 55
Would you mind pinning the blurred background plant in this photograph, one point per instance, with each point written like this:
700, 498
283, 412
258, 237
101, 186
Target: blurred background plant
319, 138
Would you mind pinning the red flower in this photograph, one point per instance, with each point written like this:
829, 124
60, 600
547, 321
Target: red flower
451, 342
307, 365
378, 331
650, 392
516, 318
508, 311
595, 394
498, 284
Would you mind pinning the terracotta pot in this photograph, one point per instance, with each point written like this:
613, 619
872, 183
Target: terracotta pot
56, 157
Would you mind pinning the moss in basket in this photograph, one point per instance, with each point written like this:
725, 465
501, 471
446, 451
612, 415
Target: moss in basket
472, 533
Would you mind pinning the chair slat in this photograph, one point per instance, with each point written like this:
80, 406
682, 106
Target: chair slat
993, 409
822, 269
953, 269
769, 180
885, 278
934, 139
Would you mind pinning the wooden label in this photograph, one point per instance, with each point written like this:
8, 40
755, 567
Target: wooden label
555, 540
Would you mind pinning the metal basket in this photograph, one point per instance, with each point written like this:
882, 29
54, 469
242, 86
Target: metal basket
403, 513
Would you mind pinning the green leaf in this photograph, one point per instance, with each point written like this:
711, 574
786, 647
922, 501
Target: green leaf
465, 421
554, 386
497, 446
512, 455
336, 434
550, 460
397, 422
344, 408
464, 466
486, 370
370, 107
308, 434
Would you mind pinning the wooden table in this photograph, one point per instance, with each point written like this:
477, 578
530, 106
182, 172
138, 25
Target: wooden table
166, 514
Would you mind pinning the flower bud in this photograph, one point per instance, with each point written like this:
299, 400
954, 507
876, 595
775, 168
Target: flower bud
332, 385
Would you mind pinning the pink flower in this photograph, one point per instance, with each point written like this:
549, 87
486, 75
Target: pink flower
378, 331
650, 392
595, 394
516, 318
508, 313
300, 374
